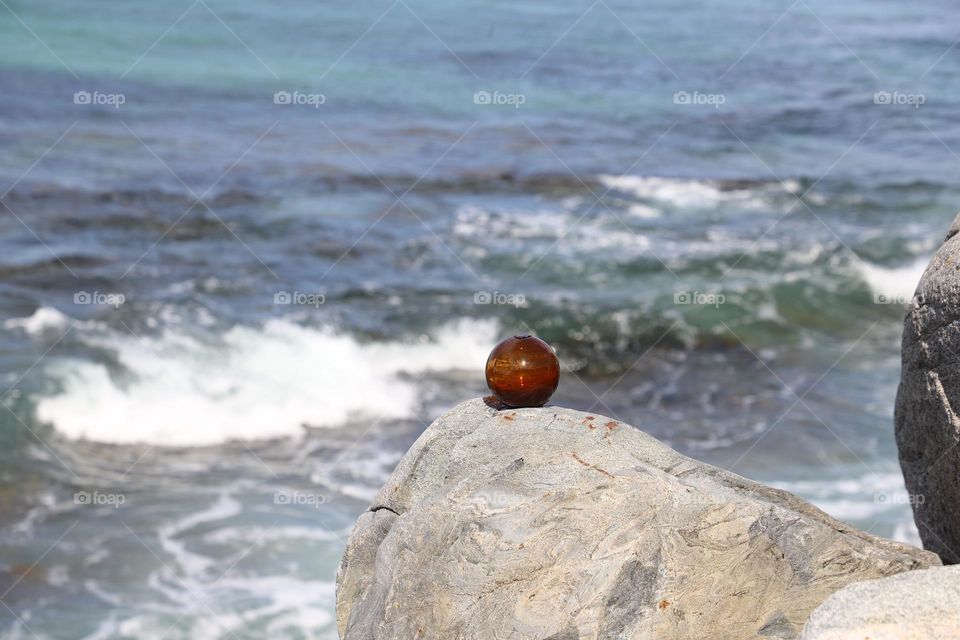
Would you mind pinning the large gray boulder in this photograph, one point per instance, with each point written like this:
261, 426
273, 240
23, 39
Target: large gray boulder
919, 605
553, 524
927, 425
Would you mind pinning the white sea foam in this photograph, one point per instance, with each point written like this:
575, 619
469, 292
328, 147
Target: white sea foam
255, 383
360, 474
169, 535
472, 221
897, 283
906, 531
195, 595
676, 191
578, 234
42, 320
643, 211
879, 497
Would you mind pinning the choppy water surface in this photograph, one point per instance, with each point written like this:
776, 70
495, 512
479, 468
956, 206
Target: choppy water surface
248, 252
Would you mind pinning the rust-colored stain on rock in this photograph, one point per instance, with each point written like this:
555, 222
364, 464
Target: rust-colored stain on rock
591, 466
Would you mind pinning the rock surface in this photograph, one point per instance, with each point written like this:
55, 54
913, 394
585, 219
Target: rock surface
927, 425
557, 525
919, 605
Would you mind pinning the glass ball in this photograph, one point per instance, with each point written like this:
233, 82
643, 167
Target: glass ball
523, 371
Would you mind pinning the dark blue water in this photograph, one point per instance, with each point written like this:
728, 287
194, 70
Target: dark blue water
248, 252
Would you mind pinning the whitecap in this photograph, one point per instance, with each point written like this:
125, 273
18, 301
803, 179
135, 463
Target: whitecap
854, 498
643, 211
42, 320
895, 284
687, 194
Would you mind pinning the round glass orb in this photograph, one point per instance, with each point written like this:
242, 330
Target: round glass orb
523, 371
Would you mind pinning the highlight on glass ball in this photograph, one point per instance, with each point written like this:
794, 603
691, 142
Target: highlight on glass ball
523, 371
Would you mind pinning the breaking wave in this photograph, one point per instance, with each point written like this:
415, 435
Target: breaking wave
254, 383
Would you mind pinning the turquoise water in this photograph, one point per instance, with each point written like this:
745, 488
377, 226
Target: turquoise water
186, 461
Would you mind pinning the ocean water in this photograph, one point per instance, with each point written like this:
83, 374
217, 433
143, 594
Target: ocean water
249, 251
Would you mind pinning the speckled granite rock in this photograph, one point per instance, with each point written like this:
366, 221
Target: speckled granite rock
553, 524
919, 605
927, 425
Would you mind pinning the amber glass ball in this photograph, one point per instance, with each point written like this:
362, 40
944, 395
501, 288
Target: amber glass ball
523, 371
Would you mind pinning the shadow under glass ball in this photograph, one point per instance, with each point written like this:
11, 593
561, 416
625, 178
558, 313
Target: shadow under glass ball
523, 371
